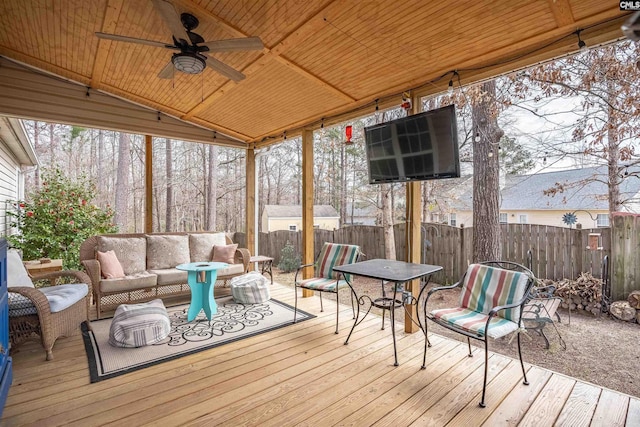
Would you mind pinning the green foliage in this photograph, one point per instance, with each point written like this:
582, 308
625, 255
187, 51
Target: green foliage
289, 260
515, 158
58, 219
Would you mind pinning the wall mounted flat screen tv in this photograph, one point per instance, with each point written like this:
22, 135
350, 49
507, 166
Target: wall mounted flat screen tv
414, 148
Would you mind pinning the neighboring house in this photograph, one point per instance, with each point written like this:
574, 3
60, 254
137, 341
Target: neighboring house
361, 215
583, 191
289, 217
16, 154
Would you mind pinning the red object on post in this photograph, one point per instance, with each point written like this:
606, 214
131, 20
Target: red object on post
349, 132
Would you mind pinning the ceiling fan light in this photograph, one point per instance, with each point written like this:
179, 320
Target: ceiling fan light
189, 63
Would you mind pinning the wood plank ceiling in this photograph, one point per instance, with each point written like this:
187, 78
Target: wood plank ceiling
322, 58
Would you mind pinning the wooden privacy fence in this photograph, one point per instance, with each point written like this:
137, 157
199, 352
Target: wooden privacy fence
556, 252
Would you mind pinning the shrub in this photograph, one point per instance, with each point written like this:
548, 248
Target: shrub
58, 218
289, 260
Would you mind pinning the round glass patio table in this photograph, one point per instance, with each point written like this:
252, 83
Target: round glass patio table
201, 279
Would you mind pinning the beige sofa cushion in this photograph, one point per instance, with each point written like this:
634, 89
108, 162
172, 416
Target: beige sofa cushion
128, 283
167, 251
170, 276
201, 245
232, 269
130, 251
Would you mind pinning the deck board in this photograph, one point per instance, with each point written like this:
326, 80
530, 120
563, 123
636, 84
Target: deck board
304, 375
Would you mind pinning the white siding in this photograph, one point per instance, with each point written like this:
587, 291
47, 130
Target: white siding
11, 185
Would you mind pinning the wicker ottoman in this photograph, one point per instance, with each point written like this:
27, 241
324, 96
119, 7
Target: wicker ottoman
137, 325
250, 288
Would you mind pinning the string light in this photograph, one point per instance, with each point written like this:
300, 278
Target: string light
453, 76
581, 44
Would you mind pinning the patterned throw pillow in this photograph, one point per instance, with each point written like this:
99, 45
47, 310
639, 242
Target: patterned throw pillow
224, 253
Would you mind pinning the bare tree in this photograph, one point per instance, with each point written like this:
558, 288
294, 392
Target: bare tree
212, 188
122, 182
169, 176
486, 207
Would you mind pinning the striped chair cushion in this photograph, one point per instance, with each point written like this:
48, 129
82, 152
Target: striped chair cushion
333, 254
475, 322
486, 287
322, 284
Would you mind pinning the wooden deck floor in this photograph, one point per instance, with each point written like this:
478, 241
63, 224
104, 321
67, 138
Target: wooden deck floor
304, 375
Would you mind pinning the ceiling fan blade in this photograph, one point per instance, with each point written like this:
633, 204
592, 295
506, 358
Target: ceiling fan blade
167, 71
171, 17
224, 69
134, 40
230, 45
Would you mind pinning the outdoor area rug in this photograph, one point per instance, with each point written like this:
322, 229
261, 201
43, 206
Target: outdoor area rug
234, 321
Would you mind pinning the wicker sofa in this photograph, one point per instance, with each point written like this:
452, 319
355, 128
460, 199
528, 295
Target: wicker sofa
149, 262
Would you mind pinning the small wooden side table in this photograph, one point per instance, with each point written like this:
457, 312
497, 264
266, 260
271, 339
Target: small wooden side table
265, 264
36, 267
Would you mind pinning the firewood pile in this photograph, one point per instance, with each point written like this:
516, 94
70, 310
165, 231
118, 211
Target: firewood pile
584, 293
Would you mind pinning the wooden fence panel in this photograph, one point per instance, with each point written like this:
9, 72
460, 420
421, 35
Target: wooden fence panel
557, 252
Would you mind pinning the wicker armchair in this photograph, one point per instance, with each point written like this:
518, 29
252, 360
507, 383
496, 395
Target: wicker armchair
48, 325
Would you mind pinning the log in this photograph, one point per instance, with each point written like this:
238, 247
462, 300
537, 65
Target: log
623, 311
634, 299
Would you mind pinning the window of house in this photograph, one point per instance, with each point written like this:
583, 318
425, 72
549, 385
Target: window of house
434, 217
293, 228
522, 219
503, 218
452, 219
602, 220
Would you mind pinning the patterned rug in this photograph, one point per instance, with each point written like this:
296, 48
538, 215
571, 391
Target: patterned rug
233, 322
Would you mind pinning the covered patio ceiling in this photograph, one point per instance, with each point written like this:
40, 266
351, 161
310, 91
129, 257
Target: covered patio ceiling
328, 59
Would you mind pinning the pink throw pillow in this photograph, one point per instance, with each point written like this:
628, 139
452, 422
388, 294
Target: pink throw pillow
224, 253
109, 265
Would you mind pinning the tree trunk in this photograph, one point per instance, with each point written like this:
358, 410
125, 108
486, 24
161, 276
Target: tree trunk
100, 166
36, 147
427, 188
486, 208
387, 222
212, 189
613, 157
122, 182
169, 175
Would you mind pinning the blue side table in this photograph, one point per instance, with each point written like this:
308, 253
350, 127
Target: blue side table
202, 287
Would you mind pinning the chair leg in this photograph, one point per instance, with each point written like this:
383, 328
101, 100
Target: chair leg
295, 305
321, 308
524, 373
337, 311
469, 343
353, 309
383, 319
486, 368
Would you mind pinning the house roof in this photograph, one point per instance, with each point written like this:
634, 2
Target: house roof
295, 211
584, 188
322, 61
13, 134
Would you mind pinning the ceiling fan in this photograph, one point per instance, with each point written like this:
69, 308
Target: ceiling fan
192, 57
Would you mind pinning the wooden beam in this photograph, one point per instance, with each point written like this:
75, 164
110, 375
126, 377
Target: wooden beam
414, 205
561, 10
148, 184
109, 24
307, 206
250, 200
